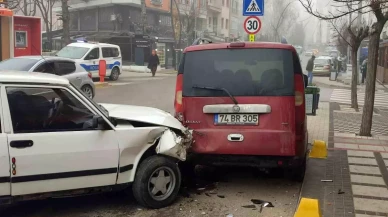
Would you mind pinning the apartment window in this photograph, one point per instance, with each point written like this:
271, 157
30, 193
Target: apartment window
226, 24
222, 23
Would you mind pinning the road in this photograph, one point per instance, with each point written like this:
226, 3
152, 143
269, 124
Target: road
226, 190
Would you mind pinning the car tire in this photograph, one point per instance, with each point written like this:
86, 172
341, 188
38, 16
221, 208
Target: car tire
88, 90
114, 75
152, 179
297, 173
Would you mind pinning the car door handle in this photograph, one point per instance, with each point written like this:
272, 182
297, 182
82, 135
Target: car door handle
21, 143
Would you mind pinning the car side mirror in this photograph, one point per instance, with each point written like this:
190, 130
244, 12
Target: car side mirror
305, 79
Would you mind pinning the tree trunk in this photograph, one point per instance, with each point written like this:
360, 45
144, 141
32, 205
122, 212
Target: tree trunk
370, 84
354, 78
65, 22
143, 16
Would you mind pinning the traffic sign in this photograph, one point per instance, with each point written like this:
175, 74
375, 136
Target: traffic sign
252, 25
253, 8
251, 38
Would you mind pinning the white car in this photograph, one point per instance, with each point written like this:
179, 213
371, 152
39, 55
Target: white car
55, 142
89, 54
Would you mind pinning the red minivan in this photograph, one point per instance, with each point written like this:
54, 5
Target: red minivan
245, 104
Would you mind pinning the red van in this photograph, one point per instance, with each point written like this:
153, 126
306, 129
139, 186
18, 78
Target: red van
245, 104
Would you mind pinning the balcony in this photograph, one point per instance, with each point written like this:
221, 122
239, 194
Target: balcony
214, 5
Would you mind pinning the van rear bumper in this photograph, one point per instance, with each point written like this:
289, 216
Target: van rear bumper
246, 160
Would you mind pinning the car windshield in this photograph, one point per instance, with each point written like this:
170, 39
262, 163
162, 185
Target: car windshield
242, 72
98, 106
72, 52
18, 64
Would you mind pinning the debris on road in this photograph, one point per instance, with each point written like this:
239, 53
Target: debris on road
326, 180
340, 191
249, 206
221, 196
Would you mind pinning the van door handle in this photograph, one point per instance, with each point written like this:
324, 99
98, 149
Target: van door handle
21, 143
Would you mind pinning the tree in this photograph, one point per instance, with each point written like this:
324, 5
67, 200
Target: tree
46, 9
65, 17
189, 19
297, 35
355, 36
281, 22
372, 6
143, 16
26, 7
176, 23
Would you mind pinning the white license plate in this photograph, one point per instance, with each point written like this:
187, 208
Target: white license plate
236, 119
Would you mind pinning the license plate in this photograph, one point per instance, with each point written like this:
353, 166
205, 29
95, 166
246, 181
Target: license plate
236, 119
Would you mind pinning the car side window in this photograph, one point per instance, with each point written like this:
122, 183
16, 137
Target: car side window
46, 67
37, 110
93, 54
64, 67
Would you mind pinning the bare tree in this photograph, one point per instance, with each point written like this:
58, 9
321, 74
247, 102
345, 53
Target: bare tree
283, 21
26, 7
176, 23
189, 17
65, 17
13, 4
46, 10
369, 6
143, 16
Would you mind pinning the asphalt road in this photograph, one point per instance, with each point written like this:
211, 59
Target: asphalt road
226, 190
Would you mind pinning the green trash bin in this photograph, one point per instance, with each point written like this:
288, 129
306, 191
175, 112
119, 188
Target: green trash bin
311, 99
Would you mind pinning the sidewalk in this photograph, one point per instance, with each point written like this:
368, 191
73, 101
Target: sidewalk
325, 81
353, 180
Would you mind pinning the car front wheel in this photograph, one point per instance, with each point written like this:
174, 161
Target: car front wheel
157, 182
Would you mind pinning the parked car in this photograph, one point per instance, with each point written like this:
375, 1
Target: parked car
56, 142
89, 54
323, 65
245, 103
53, 65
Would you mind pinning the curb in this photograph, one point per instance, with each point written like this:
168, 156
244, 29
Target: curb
101, 84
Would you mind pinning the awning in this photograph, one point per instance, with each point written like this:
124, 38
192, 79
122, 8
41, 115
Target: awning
6, 12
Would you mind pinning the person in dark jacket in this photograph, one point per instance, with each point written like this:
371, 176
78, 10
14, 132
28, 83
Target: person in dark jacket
309, 68
364, 68
153, 62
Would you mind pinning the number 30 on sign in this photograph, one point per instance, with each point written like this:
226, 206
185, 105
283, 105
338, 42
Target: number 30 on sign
252, 25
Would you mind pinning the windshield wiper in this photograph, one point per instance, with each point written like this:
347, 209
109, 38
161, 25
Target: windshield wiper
218, 89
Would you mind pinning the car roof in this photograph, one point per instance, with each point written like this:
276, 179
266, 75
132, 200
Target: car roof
44, 57
9, 76
90, 45
217, 46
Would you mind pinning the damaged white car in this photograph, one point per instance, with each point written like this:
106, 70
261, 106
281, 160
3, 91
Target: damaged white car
56, 142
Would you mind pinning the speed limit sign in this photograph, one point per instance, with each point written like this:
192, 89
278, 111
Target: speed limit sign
252, 25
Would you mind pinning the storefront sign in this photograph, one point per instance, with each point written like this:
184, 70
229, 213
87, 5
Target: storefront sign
142, 41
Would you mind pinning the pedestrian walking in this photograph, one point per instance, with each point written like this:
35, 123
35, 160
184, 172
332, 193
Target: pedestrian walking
153, 62
363, 70
309, 68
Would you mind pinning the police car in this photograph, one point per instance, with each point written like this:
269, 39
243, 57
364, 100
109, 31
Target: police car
88, 55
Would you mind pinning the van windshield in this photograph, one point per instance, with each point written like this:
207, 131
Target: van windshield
242, 72
72, 52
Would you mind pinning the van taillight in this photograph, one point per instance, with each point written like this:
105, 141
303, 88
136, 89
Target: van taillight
178, 104
300, 110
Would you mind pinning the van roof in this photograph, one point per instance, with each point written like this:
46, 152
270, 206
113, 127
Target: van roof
216, 46
90, 45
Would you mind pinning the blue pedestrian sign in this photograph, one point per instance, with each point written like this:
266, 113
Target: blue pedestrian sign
253, 8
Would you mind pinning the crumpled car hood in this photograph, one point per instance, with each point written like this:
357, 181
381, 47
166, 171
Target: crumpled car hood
143, 114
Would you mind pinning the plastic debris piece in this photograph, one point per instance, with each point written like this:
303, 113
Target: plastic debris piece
221, 196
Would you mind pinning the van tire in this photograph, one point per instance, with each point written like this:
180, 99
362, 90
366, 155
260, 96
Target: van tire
115, 73
142, 185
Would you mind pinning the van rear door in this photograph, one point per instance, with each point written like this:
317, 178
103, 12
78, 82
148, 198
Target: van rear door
240, 101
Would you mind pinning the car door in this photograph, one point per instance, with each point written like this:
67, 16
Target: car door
67, 69
91, 61
5, 185
52, 144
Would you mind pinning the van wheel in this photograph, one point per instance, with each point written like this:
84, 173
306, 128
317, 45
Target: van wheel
157, 182
114, 75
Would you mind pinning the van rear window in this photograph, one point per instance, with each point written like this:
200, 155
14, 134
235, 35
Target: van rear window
242, 72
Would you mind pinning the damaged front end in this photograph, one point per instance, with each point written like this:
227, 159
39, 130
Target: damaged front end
175, 144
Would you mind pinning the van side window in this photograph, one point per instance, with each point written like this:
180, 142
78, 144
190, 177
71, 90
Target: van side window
110, 52
93, 54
